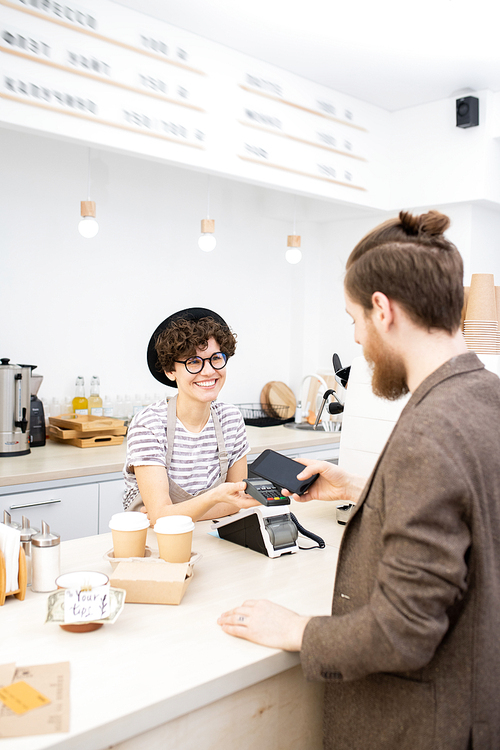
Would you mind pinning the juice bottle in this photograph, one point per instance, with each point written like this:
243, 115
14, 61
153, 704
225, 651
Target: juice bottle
95, 401
80, 403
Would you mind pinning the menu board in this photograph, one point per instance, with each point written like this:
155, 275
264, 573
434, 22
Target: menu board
301, 132
111, 77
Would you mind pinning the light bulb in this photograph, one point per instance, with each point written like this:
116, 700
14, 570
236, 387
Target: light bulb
293, 255
207, 242
88, 227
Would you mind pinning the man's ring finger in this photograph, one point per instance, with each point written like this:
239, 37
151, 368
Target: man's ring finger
241, 618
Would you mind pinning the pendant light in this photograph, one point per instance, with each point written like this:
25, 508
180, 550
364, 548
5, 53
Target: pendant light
207, 241
88, 226
293, 254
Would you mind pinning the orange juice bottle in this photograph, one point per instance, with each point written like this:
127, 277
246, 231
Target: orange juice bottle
80, 403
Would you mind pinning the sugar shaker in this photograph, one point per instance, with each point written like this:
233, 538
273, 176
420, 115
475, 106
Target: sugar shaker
7, 519
45, 553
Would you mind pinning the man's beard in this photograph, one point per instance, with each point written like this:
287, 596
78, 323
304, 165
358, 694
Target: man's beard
388, 369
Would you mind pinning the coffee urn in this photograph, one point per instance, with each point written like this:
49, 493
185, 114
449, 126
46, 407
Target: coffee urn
15, 401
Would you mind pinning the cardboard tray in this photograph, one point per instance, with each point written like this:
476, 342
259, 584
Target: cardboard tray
85, 424
155, 582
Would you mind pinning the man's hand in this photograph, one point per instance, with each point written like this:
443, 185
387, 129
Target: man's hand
332, 484
265, 623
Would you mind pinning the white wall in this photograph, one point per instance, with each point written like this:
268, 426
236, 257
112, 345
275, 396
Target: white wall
485, 245
74, 306
433, 161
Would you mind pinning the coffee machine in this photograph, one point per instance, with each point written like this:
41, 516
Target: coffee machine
37, 416
15, 408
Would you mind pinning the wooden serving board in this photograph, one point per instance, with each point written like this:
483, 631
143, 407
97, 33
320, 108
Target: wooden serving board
86, 423
277, 393
59, 432
264, 400
98, 441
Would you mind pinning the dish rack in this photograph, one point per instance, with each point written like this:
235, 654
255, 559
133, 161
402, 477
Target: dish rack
267, 415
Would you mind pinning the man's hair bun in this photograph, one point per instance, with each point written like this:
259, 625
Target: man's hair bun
432, 224
409, 259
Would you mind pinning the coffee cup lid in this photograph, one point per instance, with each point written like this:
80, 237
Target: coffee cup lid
129, 521
174, 525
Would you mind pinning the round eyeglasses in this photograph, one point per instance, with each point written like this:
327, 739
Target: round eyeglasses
194, 365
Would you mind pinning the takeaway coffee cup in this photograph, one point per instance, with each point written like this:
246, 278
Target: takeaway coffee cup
129, 531
175, 535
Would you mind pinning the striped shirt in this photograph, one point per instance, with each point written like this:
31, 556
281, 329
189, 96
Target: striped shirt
195, 458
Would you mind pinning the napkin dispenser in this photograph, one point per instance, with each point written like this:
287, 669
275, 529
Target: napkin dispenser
267, 528
13, 577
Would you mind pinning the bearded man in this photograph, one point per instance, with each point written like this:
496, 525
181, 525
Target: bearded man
411, 653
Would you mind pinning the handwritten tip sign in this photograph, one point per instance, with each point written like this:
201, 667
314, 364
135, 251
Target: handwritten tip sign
21, 697
82, 605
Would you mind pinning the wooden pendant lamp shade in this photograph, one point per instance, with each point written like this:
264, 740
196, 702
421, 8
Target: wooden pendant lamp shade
87, 208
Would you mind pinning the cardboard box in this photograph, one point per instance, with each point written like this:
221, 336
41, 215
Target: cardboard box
155, 582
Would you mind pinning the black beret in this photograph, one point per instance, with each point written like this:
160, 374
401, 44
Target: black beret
191, 313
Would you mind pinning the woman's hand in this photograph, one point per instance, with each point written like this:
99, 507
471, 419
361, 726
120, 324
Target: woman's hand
265, 623
233, 493
332, 484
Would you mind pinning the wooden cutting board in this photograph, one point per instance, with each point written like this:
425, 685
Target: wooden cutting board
86, 423
90, 442
277, 393
59, 432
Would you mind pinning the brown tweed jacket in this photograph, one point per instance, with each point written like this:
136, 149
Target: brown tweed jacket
411, 655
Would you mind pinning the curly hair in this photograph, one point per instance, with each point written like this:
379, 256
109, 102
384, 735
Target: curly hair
410, 260
183, 337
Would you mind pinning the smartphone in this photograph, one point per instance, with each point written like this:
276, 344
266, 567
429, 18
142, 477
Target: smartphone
281, 471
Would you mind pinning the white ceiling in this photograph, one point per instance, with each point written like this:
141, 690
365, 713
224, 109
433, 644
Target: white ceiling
391, 53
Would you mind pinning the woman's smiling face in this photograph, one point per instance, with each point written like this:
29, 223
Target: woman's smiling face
206, 385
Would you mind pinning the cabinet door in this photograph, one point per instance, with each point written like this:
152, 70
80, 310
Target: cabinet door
110, 501
71, 512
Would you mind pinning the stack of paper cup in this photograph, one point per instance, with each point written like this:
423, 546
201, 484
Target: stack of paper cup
175, 536
481, 329
464, 308
129, 531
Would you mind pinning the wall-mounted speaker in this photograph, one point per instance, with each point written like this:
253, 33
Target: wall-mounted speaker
467, 112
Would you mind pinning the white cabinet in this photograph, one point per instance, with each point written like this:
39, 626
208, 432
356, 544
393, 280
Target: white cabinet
73, 508
71, 511
110, 501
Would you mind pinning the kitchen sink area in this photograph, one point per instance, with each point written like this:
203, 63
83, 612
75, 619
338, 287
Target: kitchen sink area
306, 426
303, 426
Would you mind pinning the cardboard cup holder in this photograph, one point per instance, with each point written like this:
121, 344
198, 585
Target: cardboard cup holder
151, 580
149, 556
109, 556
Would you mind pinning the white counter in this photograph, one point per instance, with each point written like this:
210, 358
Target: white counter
159, 665
57, 461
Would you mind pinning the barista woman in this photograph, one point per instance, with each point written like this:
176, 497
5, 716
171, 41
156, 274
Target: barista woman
188, 456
